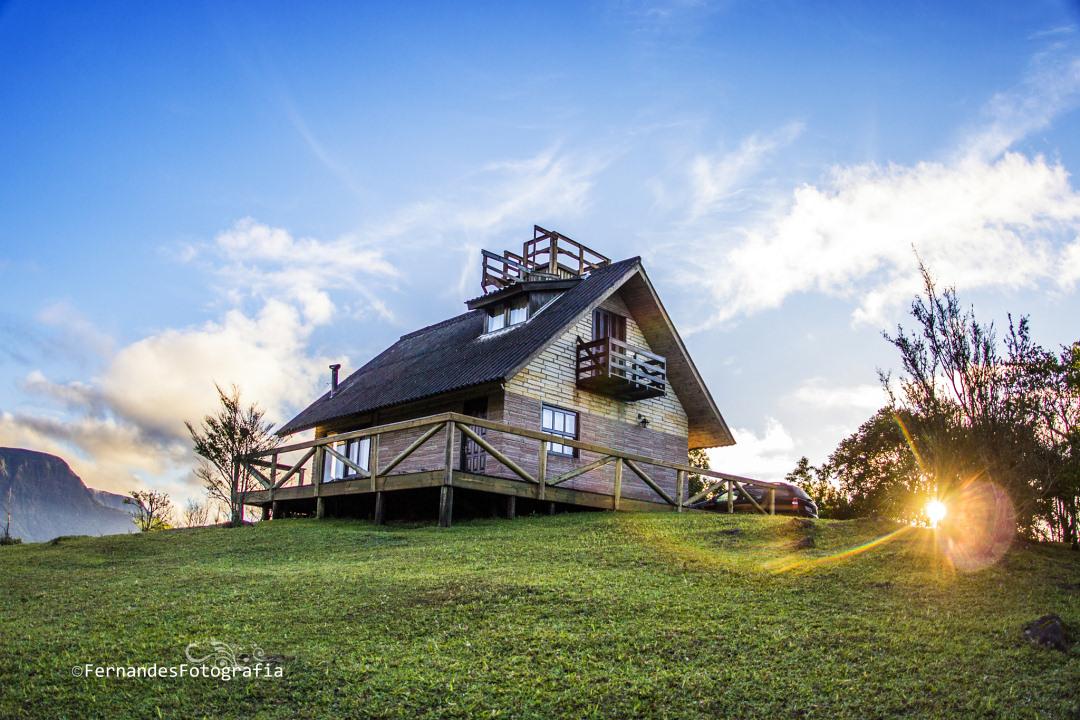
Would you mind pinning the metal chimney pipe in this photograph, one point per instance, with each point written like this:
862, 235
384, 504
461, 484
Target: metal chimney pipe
334, 378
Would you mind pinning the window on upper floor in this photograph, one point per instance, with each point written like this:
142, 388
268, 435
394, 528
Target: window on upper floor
507, 314
560, 422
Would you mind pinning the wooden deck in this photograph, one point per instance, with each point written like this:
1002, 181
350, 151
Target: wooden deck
291, 475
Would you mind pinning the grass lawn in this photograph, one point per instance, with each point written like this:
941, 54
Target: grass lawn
586, 615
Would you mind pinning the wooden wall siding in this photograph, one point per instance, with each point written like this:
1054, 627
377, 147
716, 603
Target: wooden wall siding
550, 377
430, 455
525, 412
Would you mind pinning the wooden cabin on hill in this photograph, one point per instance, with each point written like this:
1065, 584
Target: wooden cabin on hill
565, 384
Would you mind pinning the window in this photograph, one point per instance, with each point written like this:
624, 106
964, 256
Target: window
560, 422
496, 318
519, 311
508, 314
356, 450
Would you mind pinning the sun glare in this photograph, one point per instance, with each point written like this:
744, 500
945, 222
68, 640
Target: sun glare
935, 512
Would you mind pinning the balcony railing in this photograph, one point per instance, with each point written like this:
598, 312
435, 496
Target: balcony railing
289, 473
612, 367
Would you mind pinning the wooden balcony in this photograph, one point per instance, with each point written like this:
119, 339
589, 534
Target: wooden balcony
289, 479
612, 367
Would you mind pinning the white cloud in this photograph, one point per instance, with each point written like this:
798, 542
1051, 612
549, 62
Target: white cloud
819, 394
986, 217
269, 262
715, 178
976, 224
768, 456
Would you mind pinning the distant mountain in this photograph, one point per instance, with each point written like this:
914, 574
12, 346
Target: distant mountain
47, 499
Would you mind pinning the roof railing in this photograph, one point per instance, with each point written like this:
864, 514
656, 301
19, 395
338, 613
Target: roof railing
549, 255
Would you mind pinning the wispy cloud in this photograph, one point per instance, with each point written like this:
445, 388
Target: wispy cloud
715, 178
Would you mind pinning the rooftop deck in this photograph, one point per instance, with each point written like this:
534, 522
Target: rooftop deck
549, 255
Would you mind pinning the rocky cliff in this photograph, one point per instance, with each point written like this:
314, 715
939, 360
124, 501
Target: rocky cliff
46, 499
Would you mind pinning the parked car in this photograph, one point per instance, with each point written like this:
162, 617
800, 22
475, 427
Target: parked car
790, 500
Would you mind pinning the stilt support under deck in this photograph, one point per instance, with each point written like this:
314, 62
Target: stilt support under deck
446, 505
511, 507
380, 508
320, 508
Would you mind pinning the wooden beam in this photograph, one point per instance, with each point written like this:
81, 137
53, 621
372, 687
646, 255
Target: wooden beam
446, 493
649, 481
487, 447
581, 470
320, 507
707, 490
412, 448
680, 488
293, 470
380, 508
359, 470
263, 480
730, 499
618, 483
373, 459
541, 469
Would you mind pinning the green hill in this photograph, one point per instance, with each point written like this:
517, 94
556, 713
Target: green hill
588, 615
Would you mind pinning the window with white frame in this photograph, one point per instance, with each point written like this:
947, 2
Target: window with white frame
560, 422
357, 450
508, 314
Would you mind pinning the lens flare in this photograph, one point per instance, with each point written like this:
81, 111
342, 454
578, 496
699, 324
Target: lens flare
980, 527
935, 512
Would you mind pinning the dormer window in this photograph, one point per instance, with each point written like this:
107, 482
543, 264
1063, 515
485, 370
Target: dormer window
507, 314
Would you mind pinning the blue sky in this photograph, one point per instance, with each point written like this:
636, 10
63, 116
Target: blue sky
246, 192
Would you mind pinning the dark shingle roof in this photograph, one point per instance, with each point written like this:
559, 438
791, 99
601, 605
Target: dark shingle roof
451, 355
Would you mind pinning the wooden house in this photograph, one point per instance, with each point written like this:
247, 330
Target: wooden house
564, 384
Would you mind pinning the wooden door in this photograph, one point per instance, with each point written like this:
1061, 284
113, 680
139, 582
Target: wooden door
473, 457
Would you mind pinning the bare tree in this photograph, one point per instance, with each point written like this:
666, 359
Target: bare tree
220, 439
195, 513
153, 509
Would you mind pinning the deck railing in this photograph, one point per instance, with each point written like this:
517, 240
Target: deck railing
266, 470
555, 253
612, 366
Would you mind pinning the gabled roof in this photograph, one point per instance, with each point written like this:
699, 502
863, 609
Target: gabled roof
454, 355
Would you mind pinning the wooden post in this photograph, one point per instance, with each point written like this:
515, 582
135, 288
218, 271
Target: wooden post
317, 468
235, 518
541, 470
380, 508
680, 491
265, 513
551, 508
772, 501
275, 510
511, 507
730, 498
373, 466
320, 507
618, 483
446, 493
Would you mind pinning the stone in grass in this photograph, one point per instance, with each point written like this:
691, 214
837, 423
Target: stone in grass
803, 543
1047, 631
